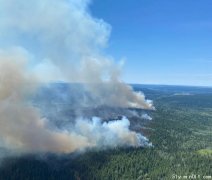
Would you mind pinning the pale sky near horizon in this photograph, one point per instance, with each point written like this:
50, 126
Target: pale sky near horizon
163, 41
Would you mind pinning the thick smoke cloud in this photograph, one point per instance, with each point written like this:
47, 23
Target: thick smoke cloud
66, 43
58, 40
21, 126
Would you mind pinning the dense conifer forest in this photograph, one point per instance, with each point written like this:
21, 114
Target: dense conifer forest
181, 134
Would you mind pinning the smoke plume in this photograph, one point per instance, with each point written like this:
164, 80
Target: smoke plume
43, 41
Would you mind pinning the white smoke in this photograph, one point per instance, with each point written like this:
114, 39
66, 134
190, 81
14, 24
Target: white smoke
146, 116
109, 134
66, 43
50, 40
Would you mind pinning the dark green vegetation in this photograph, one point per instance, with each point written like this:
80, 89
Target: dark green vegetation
181, 132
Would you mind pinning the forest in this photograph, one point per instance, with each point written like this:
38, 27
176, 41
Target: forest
181, 134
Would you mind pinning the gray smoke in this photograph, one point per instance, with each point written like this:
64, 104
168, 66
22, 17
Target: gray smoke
58, 40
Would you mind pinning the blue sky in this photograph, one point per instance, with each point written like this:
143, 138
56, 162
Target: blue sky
163, 41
